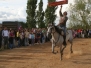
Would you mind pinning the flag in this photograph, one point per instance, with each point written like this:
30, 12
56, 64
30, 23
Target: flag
58, 3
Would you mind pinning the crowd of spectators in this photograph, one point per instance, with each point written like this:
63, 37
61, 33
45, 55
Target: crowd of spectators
10, 38
81, 33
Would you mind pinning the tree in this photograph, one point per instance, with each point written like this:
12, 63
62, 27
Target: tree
50, 14
40, 15
31, 7
80, 13
23, 24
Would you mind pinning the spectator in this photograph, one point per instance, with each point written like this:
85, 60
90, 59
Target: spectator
26, 37
32, 38
5, 34
44, 35
11, 39
0, 38
82, 33
15, 37
29, 38
90, 33
87, 32
38, 36
21, 38
18, 38
41, 36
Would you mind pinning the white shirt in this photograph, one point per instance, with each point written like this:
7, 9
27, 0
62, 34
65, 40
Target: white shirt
5, 33
29, 36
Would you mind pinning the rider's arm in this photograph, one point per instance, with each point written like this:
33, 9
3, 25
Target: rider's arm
60, 12
61, 15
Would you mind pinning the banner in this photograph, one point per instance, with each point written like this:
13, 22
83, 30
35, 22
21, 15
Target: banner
58, 3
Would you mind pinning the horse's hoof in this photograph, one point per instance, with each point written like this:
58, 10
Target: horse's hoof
71, 51
52, 52
55, 53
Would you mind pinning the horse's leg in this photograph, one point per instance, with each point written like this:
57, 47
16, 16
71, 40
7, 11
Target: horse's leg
53, 44
71, 47
71, 42
52, 47
62, 51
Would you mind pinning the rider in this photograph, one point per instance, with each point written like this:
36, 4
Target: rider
62, 23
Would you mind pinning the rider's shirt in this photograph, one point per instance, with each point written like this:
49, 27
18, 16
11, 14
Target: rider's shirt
63, 21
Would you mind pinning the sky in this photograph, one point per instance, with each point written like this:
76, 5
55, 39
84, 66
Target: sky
15, 10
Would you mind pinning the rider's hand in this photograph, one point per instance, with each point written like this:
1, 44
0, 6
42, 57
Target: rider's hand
61, 6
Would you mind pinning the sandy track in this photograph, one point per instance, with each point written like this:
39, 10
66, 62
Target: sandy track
40, 56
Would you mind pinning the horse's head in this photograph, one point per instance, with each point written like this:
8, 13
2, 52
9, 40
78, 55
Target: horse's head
54, 29
50, 30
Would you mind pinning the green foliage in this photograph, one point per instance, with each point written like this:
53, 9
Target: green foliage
31, 7
80, 5
50, 13
23, 24
79, 14
40, 15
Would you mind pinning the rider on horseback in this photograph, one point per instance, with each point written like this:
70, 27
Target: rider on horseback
62, 23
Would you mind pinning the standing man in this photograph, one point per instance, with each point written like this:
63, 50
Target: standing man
26, 37
62, 23
5, 34
0, 38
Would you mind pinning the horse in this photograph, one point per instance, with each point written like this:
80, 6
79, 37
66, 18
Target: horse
57, 38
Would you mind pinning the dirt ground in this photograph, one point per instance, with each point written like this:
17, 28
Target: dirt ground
41, 56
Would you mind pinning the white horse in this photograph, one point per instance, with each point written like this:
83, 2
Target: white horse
57, 39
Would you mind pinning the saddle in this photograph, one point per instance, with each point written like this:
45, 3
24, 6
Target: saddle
61, 32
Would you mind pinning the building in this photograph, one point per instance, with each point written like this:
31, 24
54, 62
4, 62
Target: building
0, 25
11, 24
